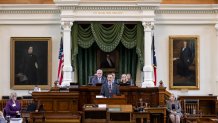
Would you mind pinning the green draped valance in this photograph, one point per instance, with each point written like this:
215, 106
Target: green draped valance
107, 37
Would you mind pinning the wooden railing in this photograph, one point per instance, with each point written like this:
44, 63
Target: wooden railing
24, 103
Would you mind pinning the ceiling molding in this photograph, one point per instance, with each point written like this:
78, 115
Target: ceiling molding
35, 13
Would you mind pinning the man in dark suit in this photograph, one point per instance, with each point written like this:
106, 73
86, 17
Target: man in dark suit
109, 88
98, 78
185, 60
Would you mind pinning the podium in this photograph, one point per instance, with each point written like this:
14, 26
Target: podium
95, 113
119, 113
115, 100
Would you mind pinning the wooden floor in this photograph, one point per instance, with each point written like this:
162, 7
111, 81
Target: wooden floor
203, 120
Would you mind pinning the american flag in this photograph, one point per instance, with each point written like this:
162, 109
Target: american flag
154, 61
61, 63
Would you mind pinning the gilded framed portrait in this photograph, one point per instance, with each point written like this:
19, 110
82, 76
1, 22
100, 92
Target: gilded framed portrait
30, 62
184, 62
108, 62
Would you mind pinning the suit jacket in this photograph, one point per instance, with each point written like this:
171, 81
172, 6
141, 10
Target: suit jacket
11, 108
2, 120
95, 80
105, 90
177, 107
115, 82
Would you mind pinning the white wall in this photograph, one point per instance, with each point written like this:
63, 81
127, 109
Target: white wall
43, 21
7, 31
207, 35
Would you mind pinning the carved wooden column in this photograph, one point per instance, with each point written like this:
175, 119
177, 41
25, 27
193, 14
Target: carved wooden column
147, 69
67, 69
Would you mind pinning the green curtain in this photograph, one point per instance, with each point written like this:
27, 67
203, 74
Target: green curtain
86, 63
107, 37
128, 61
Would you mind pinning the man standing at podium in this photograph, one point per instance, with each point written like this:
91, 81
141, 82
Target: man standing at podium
109, 88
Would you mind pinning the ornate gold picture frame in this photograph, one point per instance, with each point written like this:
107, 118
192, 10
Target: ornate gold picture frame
184, 62
30, 62
108, 62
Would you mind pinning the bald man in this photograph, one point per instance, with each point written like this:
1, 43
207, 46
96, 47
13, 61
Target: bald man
99, 78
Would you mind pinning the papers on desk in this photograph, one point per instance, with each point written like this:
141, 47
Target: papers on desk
16, 120
99, 96
102, 105
114, 109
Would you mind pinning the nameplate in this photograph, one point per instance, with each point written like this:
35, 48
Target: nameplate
114, 109
99, 96
102, 106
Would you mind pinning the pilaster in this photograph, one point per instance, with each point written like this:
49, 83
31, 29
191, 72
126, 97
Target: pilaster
147, 69
67, 69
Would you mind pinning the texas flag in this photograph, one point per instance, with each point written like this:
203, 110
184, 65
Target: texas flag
154, 61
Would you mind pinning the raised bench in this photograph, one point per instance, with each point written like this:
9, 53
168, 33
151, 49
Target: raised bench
40, 117
62, 118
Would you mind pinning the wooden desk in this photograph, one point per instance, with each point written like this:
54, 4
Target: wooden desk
207, 104
92, 113
109, 113
115, 100
61, 102
25, 116
119, 113
155, 95
147, 114
141, 116
157, 110
59, 106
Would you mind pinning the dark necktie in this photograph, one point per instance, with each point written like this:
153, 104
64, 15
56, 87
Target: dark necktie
110, 88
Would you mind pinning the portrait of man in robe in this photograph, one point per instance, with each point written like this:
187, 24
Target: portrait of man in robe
108, 62
30, 59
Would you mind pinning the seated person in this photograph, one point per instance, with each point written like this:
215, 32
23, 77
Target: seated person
13, 106
109, 88
114, 79
123, 80
128, 77
2, 119
174, 109
99, 78
35, 107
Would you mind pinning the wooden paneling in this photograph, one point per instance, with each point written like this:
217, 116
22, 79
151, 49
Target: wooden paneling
48, 104
58, 101
60, 107
153, 96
